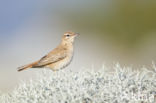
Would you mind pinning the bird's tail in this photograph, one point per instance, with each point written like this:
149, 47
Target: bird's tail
27, 66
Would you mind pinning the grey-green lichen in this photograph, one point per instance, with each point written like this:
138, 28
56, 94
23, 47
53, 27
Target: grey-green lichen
88, 86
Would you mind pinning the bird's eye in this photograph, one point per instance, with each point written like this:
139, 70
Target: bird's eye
67, 35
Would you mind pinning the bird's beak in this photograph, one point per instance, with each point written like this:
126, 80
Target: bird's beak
77, 34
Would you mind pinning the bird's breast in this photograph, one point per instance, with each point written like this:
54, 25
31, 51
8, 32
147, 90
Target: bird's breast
62, 63
66, 61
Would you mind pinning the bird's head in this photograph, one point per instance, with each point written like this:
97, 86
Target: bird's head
69, 37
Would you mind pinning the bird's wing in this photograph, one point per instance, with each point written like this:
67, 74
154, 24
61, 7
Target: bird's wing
54, 56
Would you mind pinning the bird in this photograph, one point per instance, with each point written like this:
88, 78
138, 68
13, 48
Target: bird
58, 58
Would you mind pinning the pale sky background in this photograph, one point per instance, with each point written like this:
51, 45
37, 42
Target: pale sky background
111, 32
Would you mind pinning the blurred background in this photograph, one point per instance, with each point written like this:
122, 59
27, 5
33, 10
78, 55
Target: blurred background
111, 31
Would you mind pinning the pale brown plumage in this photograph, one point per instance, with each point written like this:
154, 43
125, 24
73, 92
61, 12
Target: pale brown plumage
58, 58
